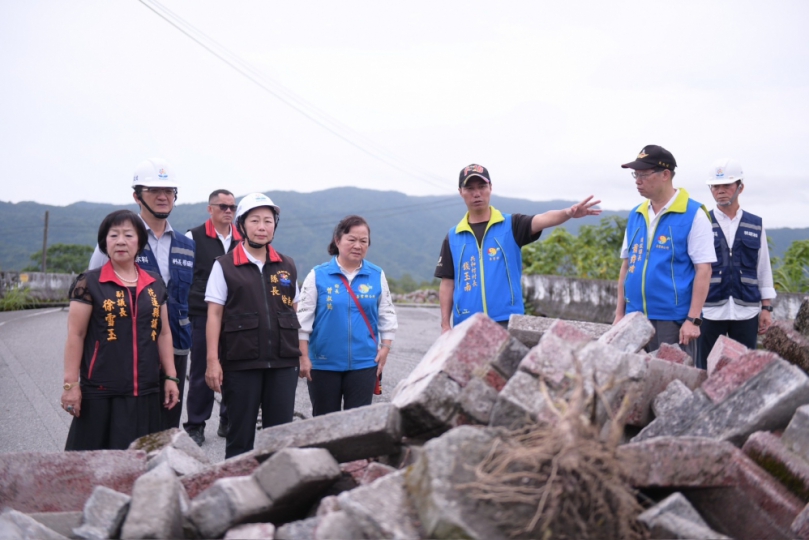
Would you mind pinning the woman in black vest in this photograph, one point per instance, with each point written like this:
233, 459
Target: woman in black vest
252, 330
118, 338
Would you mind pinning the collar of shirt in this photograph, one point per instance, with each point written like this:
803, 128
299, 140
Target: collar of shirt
225, 238
352, 274
653, 216
728, 225
168, 228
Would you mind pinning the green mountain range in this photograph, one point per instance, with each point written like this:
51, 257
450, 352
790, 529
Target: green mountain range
406, 231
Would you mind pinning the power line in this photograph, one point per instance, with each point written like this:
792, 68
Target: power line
291, 99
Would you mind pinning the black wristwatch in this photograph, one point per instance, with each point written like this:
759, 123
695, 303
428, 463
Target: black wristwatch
696, 321
767, 308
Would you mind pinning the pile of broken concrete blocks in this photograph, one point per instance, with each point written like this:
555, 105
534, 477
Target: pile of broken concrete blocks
722, 452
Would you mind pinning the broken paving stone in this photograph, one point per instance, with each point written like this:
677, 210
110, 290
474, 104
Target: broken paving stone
104, 514
17, 525
241, 465
675, 394
631, 334
672, 353
59, 522
800, 525
788, 343
294, 478
802, 318
476, 400
428, 405
659, 374
529, 329
769, 452
154, 511
380, 509
26, 478
339, 525
725, 351
298, 530
227, 503
674, 517
445, 511
375, 471
348, 435
765, 402
251, 531
796, 435
520, 403
556, 348
177, 460
724, 382
508, 359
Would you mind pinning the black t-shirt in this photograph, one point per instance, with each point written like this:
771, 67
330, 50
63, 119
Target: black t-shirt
520, 228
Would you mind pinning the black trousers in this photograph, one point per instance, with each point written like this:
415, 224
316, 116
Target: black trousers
199, 403
245, 391
171, 418
745, 332
669, 332
112, 423
332, 391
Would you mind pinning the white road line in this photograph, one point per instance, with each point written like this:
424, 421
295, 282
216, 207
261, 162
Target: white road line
37, 314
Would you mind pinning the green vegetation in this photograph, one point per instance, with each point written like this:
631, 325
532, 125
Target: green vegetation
792, 273
16, 298
407, 284
62, 259
593, 254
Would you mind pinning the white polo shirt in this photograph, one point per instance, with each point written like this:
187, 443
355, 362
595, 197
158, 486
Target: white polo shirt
217, 289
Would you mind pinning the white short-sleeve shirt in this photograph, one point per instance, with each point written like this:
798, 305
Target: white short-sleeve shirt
217, 289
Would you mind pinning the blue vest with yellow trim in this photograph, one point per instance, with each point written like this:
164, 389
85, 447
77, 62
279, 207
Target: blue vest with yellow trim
487, 277
735, 272
660, 276
181, 275
340, 340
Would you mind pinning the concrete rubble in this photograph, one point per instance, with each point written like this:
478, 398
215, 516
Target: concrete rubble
712, 454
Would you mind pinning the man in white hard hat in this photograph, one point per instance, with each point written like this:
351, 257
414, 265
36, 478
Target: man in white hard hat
171, 255
739, 302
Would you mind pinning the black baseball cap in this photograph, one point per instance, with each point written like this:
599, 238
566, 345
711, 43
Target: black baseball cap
473, 170
652, 156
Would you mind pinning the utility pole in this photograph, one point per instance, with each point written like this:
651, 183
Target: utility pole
45, 245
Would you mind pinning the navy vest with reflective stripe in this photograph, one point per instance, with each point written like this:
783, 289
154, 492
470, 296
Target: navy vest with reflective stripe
735, 272
181, 274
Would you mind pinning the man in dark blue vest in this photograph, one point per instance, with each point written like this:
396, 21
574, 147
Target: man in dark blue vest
212, 239
667, 254
480, 266
739, 302
167, 253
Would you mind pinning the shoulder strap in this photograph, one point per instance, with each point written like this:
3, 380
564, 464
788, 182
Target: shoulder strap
356, 301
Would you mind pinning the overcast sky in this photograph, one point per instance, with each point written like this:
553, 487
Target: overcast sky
552, 97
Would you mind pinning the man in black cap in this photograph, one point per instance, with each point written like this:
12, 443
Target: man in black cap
667, 254
481, 263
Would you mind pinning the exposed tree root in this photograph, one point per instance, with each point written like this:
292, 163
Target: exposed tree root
565, 471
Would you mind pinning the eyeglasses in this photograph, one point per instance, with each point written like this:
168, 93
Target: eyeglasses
226, 207
168, 192
637, 176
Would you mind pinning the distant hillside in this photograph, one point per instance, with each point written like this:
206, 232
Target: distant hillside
406, 231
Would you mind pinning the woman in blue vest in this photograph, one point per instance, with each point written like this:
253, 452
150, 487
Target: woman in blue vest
347, 322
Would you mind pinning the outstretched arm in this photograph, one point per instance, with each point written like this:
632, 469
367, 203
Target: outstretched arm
553, 218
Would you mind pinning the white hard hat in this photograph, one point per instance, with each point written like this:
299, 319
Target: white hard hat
254, 200
154, 172
725, 171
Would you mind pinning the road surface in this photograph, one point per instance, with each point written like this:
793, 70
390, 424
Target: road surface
31, 364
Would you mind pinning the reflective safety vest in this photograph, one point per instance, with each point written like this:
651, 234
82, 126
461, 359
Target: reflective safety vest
660, 275
181, 274
487, 276
735, 272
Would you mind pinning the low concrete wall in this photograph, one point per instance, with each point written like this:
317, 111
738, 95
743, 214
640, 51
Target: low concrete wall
49, 287
594, 300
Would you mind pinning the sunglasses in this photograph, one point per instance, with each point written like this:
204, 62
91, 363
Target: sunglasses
226, 207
